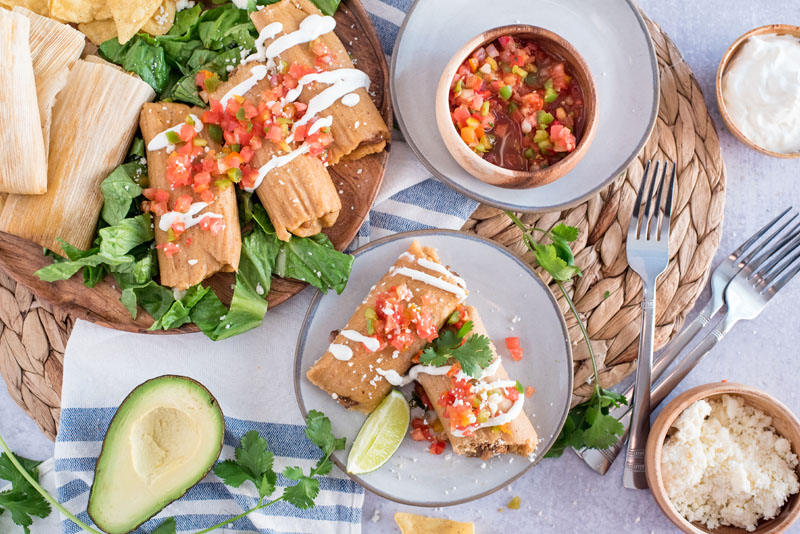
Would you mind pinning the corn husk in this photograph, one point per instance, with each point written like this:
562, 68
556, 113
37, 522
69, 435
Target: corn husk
354, 383
358, 131
23, 165
299, 197
521, 437
55, 48
94, 121
206, 254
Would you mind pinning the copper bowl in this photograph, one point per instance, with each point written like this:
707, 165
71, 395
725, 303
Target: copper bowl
784, 422
494, 174
777, 29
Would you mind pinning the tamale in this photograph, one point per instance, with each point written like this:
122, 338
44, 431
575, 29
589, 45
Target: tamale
520, 437
205, 254
55, 48
354, 381
94, 120
23, 166
299, 196
358, 130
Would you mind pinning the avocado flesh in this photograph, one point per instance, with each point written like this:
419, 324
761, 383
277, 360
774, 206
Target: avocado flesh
164, 438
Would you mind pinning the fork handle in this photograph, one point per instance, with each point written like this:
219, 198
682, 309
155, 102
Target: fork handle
634, 476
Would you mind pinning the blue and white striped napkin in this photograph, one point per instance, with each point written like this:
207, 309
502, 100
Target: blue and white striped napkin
250, 375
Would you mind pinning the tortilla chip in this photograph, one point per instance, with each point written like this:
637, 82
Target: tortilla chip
420, 524
131, 15
76, 10
162, 19
103, 13
37, 6
98, 31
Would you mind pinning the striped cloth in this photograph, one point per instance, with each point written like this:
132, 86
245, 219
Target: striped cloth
251, 375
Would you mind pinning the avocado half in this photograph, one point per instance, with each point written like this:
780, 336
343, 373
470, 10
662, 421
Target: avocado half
165, 437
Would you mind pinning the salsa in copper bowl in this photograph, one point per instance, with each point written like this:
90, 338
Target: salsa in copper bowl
517, 105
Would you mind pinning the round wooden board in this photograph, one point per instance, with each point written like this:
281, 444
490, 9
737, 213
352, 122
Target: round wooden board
358, 183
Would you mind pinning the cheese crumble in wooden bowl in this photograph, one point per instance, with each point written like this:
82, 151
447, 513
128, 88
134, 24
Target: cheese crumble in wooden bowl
721, 458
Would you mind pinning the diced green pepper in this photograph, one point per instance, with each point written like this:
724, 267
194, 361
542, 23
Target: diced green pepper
173, 138
371, 317
459, 86
223, 183
234, 174
284, 120
236, 148
548, 83
240, 114
215, 132
505, 92
485, 108
512, 107
212, 83
199, 141
550, 94
531, 79
454, 317
189, 120
529, 153
171, 235
540, 135
544, 118
522, 73
544, 146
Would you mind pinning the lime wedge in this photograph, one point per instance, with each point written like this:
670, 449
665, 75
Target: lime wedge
381, 435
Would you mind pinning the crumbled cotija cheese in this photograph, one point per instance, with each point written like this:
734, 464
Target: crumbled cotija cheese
725, 464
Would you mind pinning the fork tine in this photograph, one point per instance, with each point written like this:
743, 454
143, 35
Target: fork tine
777, 263
655, 222
765, 261
780, 282
755, 237
668, 208
634, 224
791, 239
742, 260
645, 228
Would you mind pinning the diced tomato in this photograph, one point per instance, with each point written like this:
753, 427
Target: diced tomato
513, 346
213, 224
274, 133
201, 181
187, 132
562, 138
178, 228
505, 40
207, 196
512, 394
169, 248
437, 447
529, 391
417, 434
183, 203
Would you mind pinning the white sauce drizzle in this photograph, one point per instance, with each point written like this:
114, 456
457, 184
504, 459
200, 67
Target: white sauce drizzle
312, 27
351, 100
432, 281
160, 140
274, 163
340, 352
439, 268
267, 32
371, 343
189, 219
258, 73
499, 419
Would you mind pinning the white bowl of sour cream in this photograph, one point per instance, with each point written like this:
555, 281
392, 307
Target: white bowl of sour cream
758, 89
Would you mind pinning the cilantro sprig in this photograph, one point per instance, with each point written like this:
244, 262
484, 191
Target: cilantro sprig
253, 462
588, 424
473, 354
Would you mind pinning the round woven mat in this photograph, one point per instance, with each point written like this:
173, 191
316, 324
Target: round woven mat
34, 334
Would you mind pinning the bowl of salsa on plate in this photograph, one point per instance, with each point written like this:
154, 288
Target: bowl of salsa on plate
516, 106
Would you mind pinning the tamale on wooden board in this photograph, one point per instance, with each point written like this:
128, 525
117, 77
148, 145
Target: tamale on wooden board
357, 182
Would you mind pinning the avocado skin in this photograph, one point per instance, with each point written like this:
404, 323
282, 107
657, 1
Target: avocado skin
133, 394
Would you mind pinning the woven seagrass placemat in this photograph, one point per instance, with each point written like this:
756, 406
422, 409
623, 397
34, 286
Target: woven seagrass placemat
33, 334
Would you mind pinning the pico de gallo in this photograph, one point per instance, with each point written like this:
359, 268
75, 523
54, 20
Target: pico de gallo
240, 127
517, 105
397, 321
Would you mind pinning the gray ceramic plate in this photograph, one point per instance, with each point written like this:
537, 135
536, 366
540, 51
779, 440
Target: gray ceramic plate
501, 287
610, 35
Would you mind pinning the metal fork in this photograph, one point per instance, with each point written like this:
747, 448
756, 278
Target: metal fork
601, 459
648, 254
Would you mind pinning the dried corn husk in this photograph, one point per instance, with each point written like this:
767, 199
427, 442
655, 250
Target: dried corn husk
94, 120
358, 131
55, 48
23, 165
205, 254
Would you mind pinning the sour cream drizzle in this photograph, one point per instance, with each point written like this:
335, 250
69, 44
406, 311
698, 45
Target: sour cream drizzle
189, 219
351, 100
340, 352
432, 281
160, 140
270, 31
394, 378
257, 73
371, 343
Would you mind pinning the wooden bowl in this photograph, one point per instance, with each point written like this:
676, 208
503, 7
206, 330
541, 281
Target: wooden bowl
494, 174
778, 29
785, 423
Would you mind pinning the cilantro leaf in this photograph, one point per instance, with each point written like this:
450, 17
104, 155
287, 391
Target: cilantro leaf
22, 505
589, 425
318, 430
293, 473
473, 354
567, 233
10, 473
549, 260
302, 494
253, 462
168, 526
602, 432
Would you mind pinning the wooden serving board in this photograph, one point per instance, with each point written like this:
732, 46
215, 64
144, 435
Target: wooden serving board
357, 182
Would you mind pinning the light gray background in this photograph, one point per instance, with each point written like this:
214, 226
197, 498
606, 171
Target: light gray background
564, 495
